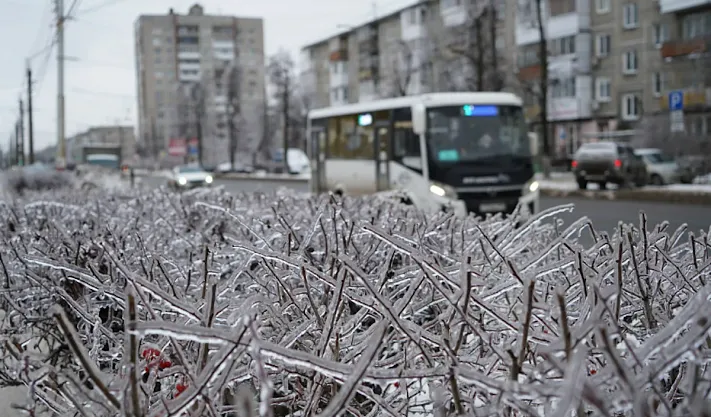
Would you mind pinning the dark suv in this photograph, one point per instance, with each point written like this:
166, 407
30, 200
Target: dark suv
608, 162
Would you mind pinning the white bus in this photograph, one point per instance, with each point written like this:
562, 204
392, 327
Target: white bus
469, 152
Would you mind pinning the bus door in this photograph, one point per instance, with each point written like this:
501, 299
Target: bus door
318, 158
381, 154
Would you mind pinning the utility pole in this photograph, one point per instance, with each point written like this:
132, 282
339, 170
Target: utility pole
21, 134
543, 99
61, 161
30, 125
286, 96
17, 143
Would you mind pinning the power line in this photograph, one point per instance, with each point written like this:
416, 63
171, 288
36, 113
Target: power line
98, 7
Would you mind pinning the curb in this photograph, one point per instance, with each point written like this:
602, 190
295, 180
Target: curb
268, 177
662, 196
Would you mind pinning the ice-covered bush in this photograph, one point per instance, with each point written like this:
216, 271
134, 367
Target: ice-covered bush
147, 303
33, 178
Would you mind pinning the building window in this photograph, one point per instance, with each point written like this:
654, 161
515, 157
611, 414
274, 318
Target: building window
602, 89
629, 62
658, 84
661, 34
156, 41
564, 88
563, 46
602, 6
696, 25
630, 16
630, 107
602, 45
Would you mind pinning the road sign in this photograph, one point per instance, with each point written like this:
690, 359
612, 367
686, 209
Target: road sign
676, 100
676, 121
561, 133
193, 146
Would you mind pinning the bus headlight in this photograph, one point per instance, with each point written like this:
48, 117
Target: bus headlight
443, 190
182, 181
208, 179
532, 187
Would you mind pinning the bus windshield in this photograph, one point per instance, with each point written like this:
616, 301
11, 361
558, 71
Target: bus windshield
476, 133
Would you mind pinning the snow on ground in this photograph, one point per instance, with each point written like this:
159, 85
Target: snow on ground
565, 181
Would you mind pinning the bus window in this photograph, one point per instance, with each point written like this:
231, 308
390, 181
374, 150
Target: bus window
406, 149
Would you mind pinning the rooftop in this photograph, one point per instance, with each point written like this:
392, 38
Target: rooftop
351, 28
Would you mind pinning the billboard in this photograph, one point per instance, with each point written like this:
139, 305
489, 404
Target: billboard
176, 147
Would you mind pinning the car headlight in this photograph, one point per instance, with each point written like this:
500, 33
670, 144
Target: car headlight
531, 187
182, 181
443, 190
208, 179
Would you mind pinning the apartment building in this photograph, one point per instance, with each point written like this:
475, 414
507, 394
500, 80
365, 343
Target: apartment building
629, 79
567, 28
426, 46
683, 43
196, 72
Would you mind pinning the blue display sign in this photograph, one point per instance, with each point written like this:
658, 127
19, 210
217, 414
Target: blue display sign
448, 155
480, 111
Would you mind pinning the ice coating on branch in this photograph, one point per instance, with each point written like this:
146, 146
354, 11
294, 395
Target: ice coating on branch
286, 305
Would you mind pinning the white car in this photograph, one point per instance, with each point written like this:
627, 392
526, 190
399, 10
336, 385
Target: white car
661, 168
188, 176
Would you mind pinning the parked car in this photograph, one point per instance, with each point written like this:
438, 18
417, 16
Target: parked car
692, 167
189, 176
662, 169
298, 161
238, 167
608, 162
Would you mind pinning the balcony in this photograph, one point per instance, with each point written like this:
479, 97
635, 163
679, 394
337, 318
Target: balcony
675, 6
338, 55
677, 48
529, 73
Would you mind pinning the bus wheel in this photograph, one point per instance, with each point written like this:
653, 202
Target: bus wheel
338, 192
406, 200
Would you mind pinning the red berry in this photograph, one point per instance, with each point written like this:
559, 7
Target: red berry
397, 384
165, 364
180, 388
593, 372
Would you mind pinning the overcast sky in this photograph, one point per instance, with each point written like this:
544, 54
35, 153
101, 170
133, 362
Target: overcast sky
100, 82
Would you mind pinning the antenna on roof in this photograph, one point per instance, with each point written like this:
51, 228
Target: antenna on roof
375, 10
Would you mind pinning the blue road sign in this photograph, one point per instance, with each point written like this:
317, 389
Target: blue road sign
676, 100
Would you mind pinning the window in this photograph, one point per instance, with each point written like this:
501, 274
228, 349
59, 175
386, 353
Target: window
658, 83
630, 16
564, 88
661, 34
563, 46
412, 16
602, 6
559, 7
696, 25
156, 41
630, 107
602, 45
629, 62
602, 89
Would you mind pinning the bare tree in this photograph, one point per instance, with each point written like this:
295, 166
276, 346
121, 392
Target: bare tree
472, 50
230, 81
403, 68
281, 74
543, 97
292, 102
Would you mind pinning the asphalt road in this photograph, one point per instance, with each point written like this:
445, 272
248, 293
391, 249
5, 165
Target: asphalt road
605, 214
